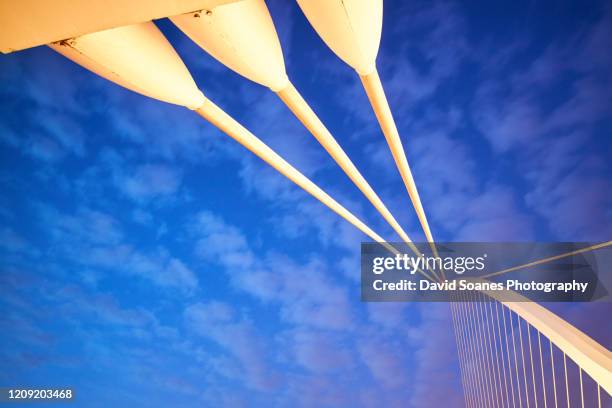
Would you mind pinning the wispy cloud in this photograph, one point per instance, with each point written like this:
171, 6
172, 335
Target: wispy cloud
149, 181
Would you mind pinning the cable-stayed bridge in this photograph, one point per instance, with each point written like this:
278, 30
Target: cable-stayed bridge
512, 352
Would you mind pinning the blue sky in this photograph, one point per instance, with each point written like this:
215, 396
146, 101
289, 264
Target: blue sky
146, 259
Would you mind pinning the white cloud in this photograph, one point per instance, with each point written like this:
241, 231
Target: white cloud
218, 322
321, 352
94, 239
150, 181
305, 293
85, 225
554, 142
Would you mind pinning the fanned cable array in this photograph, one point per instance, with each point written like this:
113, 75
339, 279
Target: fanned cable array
518, 354
514, 352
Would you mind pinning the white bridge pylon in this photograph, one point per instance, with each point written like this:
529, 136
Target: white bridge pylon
242, 36
126, 55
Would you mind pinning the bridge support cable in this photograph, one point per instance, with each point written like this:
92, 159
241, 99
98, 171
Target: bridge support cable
481, 350
501, 351
488, 349
510, 375
300, 108
549, 259
470, 344
599, 395
516, 368
495, 356
581, 389
552, 367
380, 105
462, 357
490, 323
461, 338
239, 133
520, 330
533, 382
542, 372
567, 393
352, 30
475, 361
